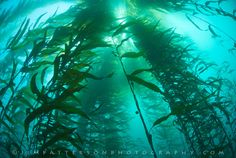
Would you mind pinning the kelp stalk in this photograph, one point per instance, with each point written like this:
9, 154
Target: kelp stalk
148, 135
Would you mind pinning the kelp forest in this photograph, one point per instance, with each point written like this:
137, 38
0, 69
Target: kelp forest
117, 79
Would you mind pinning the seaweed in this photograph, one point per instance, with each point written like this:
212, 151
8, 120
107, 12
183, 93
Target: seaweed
48, 99
169, 67
61, 91
167, 75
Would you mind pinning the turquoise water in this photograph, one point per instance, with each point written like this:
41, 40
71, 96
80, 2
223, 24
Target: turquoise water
122, 78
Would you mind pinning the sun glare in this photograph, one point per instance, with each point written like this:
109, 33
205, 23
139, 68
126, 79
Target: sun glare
59, 7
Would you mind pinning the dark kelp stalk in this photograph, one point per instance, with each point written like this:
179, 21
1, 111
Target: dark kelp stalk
117, 79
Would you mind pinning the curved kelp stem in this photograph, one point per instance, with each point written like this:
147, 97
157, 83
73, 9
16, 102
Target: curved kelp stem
131, 86
58, 91
211, 27
186, 94
208, 9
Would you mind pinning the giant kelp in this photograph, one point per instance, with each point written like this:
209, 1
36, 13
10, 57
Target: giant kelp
66, 53
22, 8
58, 95
193, 99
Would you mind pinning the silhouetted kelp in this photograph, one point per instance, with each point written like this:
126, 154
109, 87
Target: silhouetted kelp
22, 8
193, 101
68, 51
44, 104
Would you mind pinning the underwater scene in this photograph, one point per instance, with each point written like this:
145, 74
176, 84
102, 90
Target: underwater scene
117, 78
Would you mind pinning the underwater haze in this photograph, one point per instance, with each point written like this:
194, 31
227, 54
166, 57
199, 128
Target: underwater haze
117, 78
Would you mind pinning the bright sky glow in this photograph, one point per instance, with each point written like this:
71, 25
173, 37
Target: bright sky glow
213, 49
185, 28
50, 10
120, 12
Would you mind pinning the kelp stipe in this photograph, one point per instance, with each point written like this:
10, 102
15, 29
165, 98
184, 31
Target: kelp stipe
159, 54
76, 81
182, 92
194, 104
71, 64
131, 86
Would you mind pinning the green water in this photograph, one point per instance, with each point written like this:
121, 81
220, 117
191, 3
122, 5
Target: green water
121, 78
